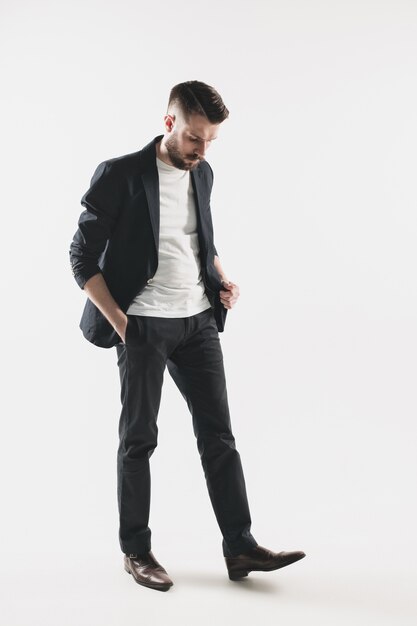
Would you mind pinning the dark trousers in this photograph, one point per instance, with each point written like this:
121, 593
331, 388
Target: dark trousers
190, 348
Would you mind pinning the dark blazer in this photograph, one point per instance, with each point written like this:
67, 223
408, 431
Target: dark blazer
118, 235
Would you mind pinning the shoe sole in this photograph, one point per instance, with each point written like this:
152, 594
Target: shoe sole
239, 574
157, 586
235, 575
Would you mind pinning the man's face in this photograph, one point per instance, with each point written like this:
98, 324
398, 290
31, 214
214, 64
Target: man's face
188, 142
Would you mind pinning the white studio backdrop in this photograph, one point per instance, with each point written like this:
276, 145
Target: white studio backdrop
314, 208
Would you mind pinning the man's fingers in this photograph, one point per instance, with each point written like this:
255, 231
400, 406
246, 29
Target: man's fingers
229, 294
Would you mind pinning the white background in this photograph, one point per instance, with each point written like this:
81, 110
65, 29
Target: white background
314, 208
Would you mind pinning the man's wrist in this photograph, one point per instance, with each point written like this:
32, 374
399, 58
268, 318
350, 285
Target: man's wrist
118, 320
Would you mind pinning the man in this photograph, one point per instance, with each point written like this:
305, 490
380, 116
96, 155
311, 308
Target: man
145, 256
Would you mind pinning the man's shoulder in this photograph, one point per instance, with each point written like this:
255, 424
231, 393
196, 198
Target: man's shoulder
114, 170
124, 161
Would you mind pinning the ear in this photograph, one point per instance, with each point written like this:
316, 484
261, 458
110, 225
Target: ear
169, 120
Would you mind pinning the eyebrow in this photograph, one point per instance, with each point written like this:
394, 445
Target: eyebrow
194, 135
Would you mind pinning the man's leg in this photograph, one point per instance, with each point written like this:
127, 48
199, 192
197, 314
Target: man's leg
196, 366
141, 367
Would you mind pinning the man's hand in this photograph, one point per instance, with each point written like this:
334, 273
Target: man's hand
229, 294
98, 292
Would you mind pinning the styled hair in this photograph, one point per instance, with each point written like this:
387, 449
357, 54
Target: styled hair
193, 96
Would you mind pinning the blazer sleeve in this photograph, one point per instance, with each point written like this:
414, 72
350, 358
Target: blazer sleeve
102, 203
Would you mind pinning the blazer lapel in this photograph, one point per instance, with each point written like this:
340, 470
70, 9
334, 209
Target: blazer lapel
150, 178
200, 195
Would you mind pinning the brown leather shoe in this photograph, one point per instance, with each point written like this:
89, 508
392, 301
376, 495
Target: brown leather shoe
259, 559
146, 570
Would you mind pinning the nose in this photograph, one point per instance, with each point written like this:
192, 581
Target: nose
202, 147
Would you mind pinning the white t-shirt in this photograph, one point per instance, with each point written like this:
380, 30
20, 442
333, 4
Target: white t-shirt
177, 288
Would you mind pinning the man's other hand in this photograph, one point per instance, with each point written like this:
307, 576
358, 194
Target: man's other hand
229, 294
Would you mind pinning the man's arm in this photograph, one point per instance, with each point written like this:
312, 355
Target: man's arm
98, 292
102, 204
230, 292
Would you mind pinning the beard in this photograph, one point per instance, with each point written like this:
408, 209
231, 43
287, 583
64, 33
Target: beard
179, 160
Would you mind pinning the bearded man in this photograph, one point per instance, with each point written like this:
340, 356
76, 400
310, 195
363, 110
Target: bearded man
145, 256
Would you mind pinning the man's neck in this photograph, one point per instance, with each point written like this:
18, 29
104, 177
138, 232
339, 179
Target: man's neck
162, 154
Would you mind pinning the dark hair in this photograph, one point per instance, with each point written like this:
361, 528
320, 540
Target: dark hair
194, 96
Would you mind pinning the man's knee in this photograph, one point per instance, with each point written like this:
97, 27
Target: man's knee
133, 456
212, 444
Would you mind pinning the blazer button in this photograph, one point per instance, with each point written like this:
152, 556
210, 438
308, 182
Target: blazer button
149, 280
